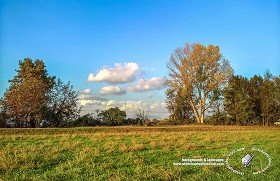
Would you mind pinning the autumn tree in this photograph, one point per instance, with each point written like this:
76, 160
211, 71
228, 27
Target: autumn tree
177, 103
27, 93
62, 105
198, 70
34, 98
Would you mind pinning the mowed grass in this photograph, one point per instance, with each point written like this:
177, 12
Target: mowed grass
131, 153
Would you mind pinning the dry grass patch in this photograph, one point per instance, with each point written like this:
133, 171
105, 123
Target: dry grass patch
110, 146
131, 148
190, 146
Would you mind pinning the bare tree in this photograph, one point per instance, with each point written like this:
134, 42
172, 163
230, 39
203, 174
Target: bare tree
142, 116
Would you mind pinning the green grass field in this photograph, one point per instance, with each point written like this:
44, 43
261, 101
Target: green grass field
136, 153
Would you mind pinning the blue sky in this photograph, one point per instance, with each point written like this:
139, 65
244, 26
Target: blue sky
77, 38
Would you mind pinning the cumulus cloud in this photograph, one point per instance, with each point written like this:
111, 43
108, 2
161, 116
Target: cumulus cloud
114, 90
155, 83
121, 73
154, 110
85, 97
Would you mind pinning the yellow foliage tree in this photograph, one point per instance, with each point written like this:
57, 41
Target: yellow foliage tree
27, 93
198, 71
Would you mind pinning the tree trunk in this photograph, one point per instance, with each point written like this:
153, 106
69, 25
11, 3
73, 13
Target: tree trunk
195, 112
202, 118
32, 123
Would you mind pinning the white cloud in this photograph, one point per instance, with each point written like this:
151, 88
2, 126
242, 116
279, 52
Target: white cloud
86, 91
121, 73
85, 97
155, 83
154, 110
114, 90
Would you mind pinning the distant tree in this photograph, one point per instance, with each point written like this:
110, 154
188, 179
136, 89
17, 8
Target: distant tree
62, 105
142, 117
113, 116
199, 71
28, 93
87, 120
130, 121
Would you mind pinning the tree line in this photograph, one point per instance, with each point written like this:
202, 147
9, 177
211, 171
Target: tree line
251, 101
201, 89
36, 99
115, 117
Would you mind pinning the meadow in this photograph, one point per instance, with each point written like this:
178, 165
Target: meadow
136, 153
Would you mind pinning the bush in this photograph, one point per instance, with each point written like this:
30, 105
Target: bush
86, 120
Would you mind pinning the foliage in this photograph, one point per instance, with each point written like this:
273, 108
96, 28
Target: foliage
113, 116
218, 118
87, 120
238, 101
62, 105
254, 101
217, 113
35, 99
27, 94
177, 103
200, 82
198, 71
270, 99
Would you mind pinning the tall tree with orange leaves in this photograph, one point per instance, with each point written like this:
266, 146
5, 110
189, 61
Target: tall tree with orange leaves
198, 71
28, 93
